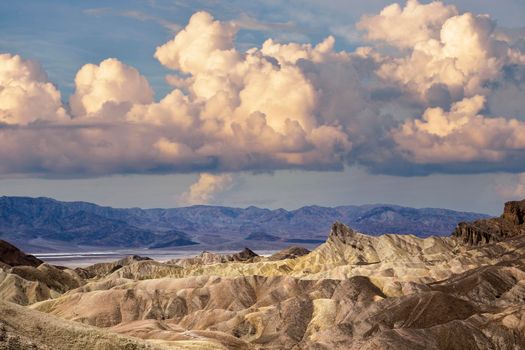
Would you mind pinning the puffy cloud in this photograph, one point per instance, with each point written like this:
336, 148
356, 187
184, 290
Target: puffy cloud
463, 73
207, 187
26, 95
440, 48
435, 96
205, 44
233, 86
405, 27
292, 52
460, 135
175, 109
237, 111
106, 86
256, 104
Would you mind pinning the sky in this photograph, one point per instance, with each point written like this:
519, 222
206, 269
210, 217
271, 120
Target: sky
267, 103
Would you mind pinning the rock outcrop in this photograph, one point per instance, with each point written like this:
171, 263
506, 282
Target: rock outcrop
485, 231
12, 256
103, 269
515, 212
209, 258
289, 253
449, 297
25, 279
26, 285
341, 233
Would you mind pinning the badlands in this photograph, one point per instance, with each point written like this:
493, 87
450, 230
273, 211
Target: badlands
355, 291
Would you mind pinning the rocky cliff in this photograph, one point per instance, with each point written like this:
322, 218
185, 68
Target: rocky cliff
509, 224
515, 212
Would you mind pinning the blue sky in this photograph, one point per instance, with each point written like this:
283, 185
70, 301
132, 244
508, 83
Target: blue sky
65, 35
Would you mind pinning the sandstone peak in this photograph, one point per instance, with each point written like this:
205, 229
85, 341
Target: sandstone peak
341, 232
245, 254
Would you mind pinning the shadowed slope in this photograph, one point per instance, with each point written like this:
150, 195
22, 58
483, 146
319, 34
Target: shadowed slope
12, 256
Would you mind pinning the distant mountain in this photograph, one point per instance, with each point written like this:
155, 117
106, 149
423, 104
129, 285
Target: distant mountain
48, 224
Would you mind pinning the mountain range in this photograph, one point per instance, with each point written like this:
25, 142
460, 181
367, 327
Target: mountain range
44, 224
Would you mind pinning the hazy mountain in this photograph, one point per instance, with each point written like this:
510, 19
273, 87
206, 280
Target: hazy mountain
43, 223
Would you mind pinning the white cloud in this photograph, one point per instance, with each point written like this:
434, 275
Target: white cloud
460, 135
439, 46
408, 26
205, 44
26, 95
207, 187
429, 98
106, 86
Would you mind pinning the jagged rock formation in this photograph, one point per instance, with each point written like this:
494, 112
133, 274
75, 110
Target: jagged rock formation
486, 231
515, 212
479, 306
341, 233
353, 292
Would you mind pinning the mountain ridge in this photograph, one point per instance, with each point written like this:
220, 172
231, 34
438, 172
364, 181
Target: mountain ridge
47, 224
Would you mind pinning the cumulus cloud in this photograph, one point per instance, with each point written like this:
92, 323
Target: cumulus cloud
460, 135
207, 187
256, 106
463, 73
442, 54
203, 44
26, 95
431, 87
408, 26
107, 85
236, 111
